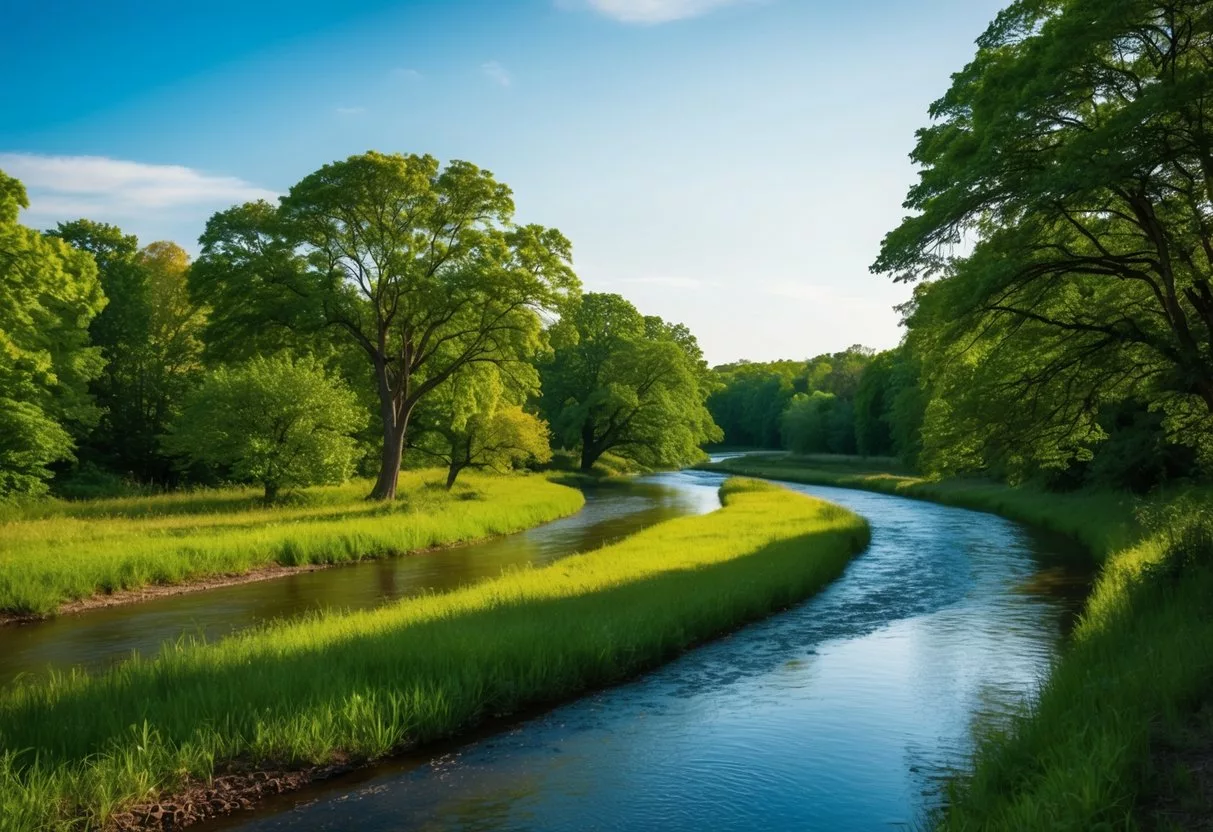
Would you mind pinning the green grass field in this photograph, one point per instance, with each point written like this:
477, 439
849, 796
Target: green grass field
53, 552
366, 683
1110, 728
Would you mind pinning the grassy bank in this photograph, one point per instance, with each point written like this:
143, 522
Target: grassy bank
54, 552
1103, 521
363, 684
1115, 739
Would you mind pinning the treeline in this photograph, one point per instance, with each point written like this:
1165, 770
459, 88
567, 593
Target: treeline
387, 312
1061, 240
856, 401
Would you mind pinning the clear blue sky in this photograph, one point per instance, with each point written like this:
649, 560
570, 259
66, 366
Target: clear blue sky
731, 164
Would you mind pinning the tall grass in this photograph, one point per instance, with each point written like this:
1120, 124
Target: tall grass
1140, 664
55, 551
366, 683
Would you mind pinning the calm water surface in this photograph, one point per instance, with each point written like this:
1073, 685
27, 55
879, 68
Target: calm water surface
102, 637
844, 713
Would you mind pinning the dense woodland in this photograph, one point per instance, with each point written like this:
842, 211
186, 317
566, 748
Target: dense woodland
1060, 241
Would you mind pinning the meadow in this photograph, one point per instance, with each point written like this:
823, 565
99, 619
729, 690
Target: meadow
342, 686
1115, 739
55, 551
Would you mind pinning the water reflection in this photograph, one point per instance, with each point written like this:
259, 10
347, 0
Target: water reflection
845, 713
101, 637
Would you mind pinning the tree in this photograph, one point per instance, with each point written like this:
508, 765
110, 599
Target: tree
476, 420
631, 385
150, 336
1075, 152
819, 422
279, 421
419, 268
49, 292
751, 399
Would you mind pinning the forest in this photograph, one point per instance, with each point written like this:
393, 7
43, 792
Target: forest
386, 366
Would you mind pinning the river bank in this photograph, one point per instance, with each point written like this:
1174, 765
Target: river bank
67, 556
327, 690
1119, 737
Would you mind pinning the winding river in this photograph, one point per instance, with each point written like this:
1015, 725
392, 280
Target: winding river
844, 713
101, 637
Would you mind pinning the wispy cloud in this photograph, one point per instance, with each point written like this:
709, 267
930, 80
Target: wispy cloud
350, 111
496, 73
67, 187
405, 74
652, 11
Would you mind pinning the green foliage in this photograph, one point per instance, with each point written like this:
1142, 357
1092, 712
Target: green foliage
475, 420
1073, 151
150, 336
368, 683
419, 268
53, 552
629, 384
819, 423
751, 399
281, 422
49, 292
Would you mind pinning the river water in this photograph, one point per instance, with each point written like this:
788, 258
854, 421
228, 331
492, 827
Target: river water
845, 713
101, 637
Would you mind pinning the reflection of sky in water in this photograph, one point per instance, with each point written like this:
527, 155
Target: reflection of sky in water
842, 714
101, 637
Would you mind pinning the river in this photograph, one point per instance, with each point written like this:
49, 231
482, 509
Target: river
844, 713
100, 637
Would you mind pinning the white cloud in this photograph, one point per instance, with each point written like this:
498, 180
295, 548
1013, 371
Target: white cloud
496, 73
404, 74
350, 111
654, 11
115, 190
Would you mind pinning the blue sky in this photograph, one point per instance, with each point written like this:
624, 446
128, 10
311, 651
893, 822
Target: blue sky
731, 164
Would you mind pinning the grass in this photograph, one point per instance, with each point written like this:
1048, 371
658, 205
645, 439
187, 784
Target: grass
364, 684
53, 552
1095, 750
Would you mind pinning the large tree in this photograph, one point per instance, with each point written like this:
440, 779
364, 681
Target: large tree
629, 384
418, 267
49, 292
1066, 204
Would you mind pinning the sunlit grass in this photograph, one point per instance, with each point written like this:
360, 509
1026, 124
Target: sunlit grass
366, 683
1138, 666
55, 551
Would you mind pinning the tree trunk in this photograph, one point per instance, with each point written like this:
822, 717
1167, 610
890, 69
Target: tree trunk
395, 423
389, 463
271, 491
589, 449
451, 474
